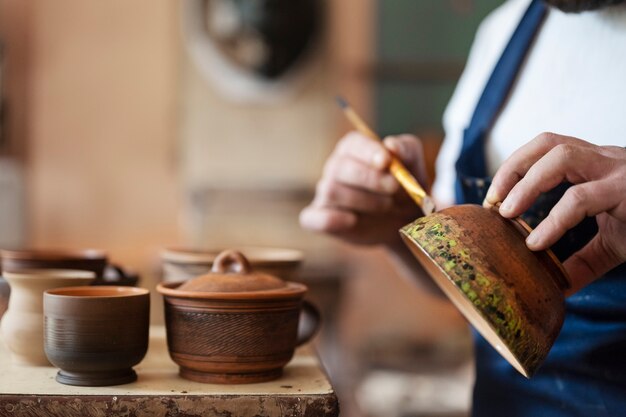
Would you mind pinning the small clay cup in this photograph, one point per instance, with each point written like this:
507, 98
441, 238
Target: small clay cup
233, 325
187, 263
95, 335
514, 297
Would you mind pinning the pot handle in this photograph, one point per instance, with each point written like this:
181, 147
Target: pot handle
310, 320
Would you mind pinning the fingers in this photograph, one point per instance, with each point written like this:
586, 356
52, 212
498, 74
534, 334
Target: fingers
519, 163
592, 261
330, 193
580, 201
326, 219
361, 163
410, 151
356, 187
569, 162
355, 173
361, 148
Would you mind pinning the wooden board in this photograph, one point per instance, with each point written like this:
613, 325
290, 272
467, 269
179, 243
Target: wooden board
303, 390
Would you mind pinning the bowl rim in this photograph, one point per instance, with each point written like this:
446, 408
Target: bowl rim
48, 273
195, 255
108, 291
290, 290
88, 254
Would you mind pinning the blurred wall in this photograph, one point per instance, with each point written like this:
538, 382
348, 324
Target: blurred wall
100, 96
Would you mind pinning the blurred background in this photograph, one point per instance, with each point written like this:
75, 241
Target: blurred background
133, 126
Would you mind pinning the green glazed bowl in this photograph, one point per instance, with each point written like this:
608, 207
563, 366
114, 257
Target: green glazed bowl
513, 296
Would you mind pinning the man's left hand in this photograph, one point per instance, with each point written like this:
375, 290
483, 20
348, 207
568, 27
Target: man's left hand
599, 177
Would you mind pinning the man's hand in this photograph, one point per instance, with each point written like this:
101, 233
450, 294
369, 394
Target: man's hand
357, 199
599, 177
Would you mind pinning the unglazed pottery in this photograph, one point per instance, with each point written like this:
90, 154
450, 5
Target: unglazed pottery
95, 335
186, 263
234, 325
514, 297
22, 324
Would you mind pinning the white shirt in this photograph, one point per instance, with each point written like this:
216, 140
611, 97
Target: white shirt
573, 82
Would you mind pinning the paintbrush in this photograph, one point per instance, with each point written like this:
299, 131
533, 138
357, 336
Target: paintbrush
397, 169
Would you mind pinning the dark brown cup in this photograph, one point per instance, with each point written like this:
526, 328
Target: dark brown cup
95, 335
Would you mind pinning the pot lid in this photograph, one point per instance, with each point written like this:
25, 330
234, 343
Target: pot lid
231, 272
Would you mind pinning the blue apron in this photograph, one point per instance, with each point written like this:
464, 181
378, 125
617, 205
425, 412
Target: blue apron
585, 372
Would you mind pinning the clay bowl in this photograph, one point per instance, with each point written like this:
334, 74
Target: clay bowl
186, 263
95, 335
93, 260
86, 260
514, 297
234, 326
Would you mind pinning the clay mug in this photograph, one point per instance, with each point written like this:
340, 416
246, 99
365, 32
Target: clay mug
235, 325
187, 263
22, 324
95, 335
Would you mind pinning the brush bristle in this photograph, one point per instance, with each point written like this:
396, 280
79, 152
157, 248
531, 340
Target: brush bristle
342, 102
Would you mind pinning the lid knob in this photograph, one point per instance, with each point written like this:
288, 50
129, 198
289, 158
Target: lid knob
231, 261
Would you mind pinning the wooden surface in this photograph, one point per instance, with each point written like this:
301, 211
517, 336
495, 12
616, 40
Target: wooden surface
303, 390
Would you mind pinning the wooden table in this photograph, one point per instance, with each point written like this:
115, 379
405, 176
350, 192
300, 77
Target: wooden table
303, 390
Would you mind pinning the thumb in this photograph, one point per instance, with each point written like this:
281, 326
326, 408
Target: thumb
409, 150
589, 263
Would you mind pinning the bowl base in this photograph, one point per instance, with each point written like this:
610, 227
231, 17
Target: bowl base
235, 378
96, 379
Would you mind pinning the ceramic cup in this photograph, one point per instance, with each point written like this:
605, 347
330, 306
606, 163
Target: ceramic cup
95, 335
234, 325
185, 263
22, 324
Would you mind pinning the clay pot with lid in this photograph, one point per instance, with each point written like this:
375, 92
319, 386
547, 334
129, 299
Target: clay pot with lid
235, 325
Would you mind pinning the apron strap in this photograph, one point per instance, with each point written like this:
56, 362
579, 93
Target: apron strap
471, 166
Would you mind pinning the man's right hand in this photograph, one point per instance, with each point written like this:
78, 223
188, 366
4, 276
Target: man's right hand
357, 199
